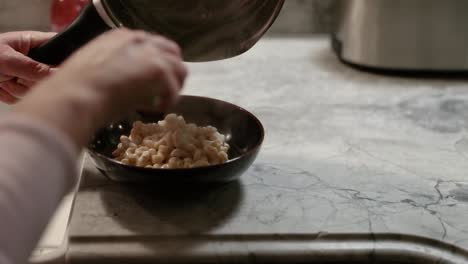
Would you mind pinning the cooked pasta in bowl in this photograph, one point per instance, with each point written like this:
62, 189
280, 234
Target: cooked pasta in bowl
198, 139
172, 144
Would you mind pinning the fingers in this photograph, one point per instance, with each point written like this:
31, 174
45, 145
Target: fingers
26, 83
7, 98
167, 46
15, 89
13, 63
127, 69
170, 73
38, 38
175, 72
178, 68
172, 54
168, 90
164, 67
24, 41
4, 77
163, 44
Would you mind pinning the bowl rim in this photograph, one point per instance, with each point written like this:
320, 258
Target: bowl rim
229, 161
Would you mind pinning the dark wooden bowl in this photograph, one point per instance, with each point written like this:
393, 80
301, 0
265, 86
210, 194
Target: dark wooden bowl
243, 130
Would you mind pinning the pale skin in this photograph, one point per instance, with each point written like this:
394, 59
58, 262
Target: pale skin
116, 73
18, 72
56, 112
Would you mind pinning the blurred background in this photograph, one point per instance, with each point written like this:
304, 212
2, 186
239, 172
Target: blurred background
298, 17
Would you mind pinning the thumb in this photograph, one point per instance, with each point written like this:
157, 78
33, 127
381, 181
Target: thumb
18, 65
38, 38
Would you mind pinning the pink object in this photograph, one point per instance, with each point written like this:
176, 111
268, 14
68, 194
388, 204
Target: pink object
37, 169
63, 12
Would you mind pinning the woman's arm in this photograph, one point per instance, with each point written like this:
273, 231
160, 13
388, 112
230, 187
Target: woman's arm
41, 137
17, 71
37, 168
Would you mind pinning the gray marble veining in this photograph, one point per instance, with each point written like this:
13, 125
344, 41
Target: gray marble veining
345, 151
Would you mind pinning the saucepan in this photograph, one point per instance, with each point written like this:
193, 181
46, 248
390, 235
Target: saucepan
206, 30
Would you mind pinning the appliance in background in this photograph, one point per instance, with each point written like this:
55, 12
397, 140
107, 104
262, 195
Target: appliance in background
63, 12
403, 35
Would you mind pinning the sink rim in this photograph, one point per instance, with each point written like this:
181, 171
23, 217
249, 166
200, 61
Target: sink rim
278, 248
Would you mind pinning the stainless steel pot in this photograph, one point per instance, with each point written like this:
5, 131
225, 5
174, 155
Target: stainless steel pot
205, 29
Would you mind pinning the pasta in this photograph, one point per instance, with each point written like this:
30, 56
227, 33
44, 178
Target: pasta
172, 143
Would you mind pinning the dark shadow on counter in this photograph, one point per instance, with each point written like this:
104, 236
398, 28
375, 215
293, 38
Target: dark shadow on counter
190, 209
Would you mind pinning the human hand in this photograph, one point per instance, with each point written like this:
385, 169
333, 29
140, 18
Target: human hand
18, 72
129, 68
115, 73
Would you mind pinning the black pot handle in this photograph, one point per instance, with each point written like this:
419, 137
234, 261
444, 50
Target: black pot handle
87, 26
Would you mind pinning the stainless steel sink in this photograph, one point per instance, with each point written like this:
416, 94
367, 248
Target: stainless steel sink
318, 248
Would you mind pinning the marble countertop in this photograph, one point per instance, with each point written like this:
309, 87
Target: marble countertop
345, 152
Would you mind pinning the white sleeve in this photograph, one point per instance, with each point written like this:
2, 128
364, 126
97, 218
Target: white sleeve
38, 166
